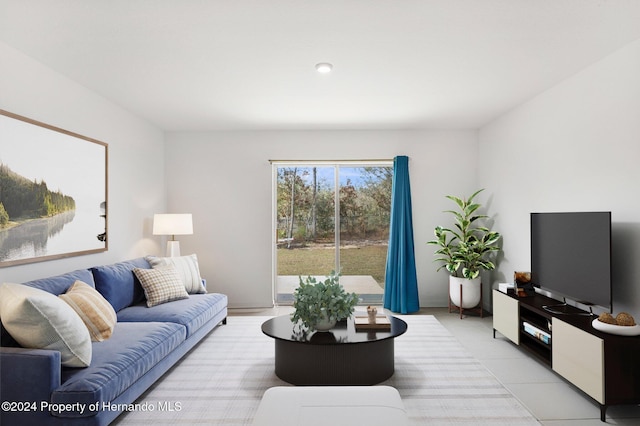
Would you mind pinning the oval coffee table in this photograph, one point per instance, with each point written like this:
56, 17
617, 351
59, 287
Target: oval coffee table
341, 356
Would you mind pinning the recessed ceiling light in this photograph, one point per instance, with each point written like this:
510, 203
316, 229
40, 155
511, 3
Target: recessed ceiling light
324, 67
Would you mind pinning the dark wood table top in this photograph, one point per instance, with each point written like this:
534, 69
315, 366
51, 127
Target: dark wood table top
281, 328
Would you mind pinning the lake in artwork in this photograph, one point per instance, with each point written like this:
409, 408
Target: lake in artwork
53, 190
62, 233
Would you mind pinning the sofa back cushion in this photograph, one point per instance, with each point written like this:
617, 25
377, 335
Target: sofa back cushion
59, 284
118, 284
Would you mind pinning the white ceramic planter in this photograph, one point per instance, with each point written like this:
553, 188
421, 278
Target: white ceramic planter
325, 324
470, 292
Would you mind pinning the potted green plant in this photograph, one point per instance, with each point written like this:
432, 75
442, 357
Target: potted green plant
320, 304
465, 250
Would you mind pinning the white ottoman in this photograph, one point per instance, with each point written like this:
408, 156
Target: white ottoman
331, 405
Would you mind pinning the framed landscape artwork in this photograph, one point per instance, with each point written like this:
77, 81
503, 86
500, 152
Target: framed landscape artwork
53, 192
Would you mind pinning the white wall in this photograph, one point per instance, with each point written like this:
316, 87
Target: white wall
224, 179
136, 157
575, 147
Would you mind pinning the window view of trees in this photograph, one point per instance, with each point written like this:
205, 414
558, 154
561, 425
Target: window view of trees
308, 232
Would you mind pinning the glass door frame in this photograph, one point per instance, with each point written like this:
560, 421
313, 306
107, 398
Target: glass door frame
336, 164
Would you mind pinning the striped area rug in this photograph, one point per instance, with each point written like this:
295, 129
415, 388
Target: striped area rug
223, 379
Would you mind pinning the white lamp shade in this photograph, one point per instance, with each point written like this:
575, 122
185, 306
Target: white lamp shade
172, 224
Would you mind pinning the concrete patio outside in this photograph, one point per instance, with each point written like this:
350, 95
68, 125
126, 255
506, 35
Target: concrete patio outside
365, 286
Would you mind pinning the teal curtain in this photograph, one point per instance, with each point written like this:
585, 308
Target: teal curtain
401, 283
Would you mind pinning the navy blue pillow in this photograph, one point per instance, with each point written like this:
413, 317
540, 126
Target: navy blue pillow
118, 284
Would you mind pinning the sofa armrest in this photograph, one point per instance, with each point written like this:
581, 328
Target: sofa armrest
28, 375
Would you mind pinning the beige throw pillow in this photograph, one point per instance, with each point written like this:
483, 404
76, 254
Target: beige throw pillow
94, 310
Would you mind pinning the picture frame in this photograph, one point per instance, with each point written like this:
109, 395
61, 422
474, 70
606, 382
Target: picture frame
53, 192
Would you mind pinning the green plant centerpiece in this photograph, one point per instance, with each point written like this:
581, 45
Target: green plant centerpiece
466, 249
320, 304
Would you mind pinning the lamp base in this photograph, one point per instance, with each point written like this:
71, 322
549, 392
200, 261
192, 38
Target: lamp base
173, 248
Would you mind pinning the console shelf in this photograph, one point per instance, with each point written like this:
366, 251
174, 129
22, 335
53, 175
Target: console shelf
540, 320
602, 365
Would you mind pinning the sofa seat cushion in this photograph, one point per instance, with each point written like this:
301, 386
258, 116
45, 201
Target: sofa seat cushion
192, 313
132, 350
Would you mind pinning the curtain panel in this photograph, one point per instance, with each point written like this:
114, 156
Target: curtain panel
401, 283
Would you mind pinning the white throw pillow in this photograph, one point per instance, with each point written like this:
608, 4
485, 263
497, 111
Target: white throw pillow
38, 319
187, 268
161, 285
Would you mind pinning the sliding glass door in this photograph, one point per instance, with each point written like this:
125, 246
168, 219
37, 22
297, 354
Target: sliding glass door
331, 216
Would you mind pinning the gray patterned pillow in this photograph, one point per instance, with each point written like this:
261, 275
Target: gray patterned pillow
187, 267
161, 285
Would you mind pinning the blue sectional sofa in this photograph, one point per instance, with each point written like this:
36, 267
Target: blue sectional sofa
145, 343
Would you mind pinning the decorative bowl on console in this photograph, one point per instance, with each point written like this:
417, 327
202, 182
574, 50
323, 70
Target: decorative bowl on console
623, 324
622, 330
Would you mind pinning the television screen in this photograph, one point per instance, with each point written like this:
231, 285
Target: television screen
571, 256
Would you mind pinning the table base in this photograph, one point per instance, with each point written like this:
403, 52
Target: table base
339, 364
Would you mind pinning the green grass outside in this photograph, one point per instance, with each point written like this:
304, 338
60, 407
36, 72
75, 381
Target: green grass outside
365, 260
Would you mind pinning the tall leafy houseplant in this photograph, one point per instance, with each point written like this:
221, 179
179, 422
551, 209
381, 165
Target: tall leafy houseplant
465, 249
320, 304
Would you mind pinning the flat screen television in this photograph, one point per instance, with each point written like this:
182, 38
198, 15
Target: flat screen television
571, 256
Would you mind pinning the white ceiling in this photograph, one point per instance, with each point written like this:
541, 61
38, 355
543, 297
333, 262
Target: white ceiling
193, 65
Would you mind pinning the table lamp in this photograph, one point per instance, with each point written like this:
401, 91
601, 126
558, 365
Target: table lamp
172, 224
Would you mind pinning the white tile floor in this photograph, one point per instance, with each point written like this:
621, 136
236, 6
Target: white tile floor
551, 399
